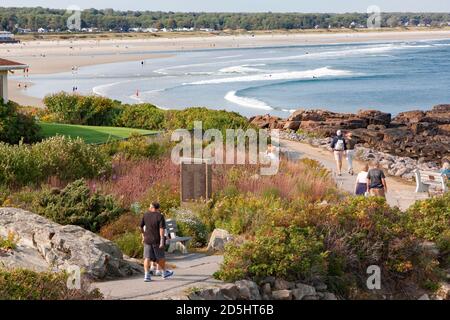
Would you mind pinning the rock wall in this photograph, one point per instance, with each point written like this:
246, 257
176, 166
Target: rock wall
44, 245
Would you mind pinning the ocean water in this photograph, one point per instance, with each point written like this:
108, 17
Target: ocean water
388, 76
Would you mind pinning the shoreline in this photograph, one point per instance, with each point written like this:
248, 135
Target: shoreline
55, 56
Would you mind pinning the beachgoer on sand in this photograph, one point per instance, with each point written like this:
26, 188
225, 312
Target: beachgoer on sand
361, 181
376, 181
339, 146
153, 227
350, 143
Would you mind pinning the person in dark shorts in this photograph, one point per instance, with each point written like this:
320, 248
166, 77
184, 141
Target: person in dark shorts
376, 181
153, 227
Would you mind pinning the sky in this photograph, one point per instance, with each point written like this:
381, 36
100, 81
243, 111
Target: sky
244, 5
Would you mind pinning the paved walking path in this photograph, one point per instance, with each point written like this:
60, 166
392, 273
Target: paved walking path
400, 193
191, 271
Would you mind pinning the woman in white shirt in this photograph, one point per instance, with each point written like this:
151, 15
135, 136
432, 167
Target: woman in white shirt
361, 181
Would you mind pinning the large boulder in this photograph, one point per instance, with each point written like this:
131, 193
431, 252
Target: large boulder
267, 122
219, 238
375, 117
248, 290
46, 245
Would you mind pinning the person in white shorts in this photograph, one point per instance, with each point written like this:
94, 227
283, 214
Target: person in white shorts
339, 146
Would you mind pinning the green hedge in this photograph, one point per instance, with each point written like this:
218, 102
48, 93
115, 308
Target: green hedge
61, 157
16, 126
95, 110
87, 110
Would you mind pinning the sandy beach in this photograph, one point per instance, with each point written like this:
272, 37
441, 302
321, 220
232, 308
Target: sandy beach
54, 56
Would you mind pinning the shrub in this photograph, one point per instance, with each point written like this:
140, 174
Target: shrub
61, 157
142, 116
136, 147
132, 179
128, 222
166, 194
29, 285
190, 225
10, 242
291, 253
430, 218
77, 205
131, 244
86, 110
211, 119
16, 126
243, 213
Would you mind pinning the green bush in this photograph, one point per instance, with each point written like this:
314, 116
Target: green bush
130, 243
141, 116
291, 253
61, 157
430, 218
136, 147
16, 126
211, 119
77, 205
242, 213
29, 285
190, 225
85, 110
128, 222
167, 195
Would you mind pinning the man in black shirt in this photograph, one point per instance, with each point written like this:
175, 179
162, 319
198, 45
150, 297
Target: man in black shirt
153, 227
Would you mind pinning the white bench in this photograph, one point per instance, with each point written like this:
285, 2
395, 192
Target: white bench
175, 242
427, 179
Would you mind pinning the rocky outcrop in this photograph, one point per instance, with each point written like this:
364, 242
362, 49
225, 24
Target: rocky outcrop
269, 289
420, 135
218, 239
267, 122
45, 245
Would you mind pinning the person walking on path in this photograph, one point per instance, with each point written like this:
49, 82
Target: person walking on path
376, 181
446, 168
339, 146
361, 181
153, 227
350, 144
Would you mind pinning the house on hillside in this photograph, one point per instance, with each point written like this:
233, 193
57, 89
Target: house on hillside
7, 66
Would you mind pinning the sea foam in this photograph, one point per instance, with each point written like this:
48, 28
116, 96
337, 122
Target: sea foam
247, 102
293, 75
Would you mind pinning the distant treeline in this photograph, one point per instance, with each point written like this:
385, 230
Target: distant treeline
108, 19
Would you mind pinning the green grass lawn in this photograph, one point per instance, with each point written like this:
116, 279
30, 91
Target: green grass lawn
90, 134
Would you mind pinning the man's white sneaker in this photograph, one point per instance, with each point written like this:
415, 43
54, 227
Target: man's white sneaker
158, 273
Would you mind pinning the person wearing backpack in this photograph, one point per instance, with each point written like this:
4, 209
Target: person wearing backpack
339, 147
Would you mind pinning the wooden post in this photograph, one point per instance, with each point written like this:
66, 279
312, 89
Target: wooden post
195, 179
4, 85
